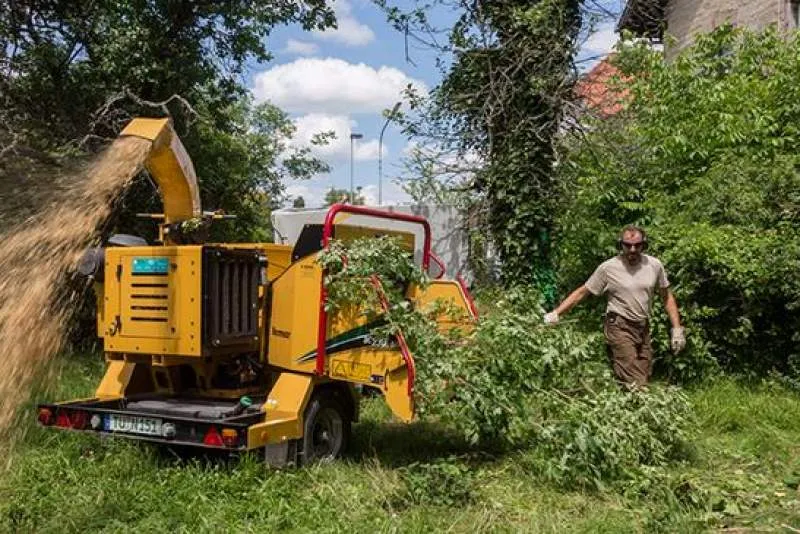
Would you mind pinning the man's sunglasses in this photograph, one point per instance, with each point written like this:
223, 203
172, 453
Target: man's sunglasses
631, 244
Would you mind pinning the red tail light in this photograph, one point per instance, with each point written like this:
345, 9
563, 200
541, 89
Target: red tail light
230, 437
71, 419
46, 417
213, 438
78, 419
62, 419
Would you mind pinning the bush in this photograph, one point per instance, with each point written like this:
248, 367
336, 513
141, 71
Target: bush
704, 157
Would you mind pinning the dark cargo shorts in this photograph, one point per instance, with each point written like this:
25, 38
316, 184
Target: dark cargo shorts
629, 350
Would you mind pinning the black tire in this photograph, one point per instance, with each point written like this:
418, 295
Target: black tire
326, 429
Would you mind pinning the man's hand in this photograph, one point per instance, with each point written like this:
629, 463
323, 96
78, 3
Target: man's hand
551, 318
678, 339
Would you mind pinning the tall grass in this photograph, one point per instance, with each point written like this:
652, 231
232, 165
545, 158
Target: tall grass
402, 478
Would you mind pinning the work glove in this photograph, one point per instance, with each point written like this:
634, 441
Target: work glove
551, 318
678, 339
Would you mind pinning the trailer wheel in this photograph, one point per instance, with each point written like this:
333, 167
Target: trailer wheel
326, 429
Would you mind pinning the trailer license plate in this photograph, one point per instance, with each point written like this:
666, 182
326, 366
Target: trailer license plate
133, 425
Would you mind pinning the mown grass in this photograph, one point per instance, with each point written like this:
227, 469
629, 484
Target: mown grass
742, 472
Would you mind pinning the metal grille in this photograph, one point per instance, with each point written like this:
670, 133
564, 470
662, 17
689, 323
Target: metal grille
149, 298
230, 296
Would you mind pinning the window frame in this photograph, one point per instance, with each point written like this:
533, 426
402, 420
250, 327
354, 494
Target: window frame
793, 9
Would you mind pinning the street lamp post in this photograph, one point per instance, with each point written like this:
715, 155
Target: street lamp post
353, 137
389, 118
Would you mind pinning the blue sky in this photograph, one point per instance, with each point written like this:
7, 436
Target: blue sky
341, 80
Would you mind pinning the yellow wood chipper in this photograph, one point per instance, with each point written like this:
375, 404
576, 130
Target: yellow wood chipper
230, 346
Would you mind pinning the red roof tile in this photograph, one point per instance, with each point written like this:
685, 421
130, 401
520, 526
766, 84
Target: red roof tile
596, 91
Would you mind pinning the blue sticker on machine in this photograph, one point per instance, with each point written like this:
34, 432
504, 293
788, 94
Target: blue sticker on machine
150, 265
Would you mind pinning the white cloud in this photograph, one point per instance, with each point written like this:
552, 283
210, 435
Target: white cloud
312, 191
600, 41
367, 150
301, 48
339, 148
348, 31
392, 194
332, 85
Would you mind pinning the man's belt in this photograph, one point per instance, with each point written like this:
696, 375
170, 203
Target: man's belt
638, 324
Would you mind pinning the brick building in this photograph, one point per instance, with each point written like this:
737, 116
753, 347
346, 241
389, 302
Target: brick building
683, 19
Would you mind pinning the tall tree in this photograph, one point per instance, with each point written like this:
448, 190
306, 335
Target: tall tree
500, 105
74, 71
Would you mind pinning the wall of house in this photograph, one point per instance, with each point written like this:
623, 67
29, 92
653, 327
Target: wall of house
686, 18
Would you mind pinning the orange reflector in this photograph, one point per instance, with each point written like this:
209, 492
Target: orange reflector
213, 438
230, 437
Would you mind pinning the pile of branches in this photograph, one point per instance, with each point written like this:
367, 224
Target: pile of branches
512, 382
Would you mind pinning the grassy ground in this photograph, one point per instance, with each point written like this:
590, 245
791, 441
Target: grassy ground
407, 478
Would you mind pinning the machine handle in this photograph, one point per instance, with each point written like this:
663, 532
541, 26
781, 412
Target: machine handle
216, 215
208, 214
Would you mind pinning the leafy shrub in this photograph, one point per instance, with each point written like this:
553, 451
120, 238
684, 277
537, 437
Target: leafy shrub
349, 266
705, 158
612, 436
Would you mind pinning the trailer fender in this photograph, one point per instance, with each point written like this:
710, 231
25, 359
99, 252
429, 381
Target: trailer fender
397, 395
284, 411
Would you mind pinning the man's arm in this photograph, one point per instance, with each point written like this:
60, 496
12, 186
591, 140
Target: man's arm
572, 299
677, 337
567, 304
671, 305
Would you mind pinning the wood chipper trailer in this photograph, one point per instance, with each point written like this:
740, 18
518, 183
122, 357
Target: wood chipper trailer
230, 346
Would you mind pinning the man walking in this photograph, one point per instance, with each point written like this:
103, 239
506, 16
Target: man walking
629, 280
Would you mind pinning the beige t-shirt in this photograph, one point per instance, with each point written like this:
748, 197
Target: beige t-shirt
629, 288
